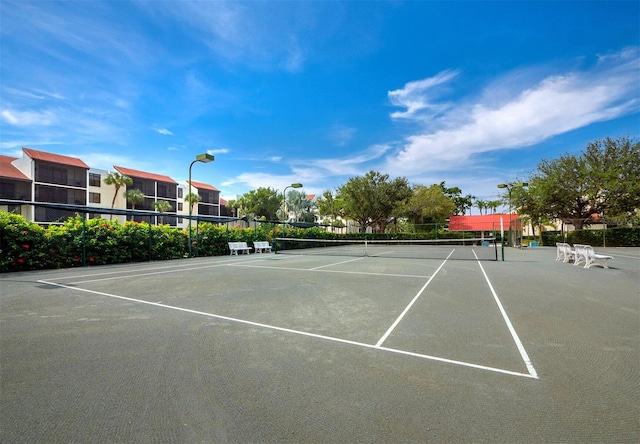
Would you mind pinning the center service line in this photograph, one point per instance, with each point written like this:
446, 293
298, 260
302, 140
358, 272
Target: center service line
514, 335
397, 321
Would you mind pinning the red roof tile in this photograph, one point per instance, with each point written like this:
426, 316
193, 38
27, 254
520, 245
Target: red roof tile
55, 158
485, 222
203, 186
143, 175
9, 171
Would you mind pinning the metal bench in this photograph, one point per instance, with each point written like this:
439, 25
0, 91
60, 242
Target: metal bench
565, 253
235, 247
593, 258
262, 247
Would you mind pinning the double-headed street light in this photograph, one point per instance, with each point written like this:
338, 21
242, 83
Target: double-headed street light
204, 158
284, 197
509, 187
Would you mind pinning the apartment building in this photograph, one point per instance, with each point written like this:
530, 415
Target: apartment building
40, 176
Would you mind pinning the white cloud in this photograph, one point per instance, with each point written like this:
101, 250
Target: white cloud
164, 131
538, 111
218, 151
418, 97
341, 135
28, 118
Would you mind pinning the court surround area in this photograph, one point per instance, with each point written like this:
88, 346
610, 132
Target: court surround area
315, 348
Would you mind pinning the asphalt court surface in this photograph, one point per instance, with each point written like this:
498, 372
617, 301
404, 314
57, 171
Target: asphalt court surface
277, 348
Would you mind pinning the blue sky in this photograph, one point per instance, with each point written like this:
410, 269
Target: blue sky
472, 93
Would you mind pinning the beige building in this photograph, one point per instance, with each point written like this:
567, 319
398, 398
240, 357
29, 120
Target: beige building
42, 177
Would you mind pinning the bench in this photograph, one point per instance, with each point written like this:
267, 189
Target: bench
592, 258
565, 253
262, 247
235, 247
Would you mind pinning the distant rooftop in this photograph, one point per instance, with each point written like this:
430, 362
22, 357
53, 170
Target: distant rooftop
143, 175
55, 158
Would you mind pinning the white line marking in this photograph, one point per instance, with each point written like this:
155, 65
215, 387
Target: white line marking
297, 332
337, 263
148, 274
330, 271
523, 352
397, 321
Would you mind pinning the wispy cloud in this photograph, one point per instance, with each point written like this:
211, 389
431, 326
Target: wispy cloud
218, 151
535, 112
419, 97
164, 131
341, 135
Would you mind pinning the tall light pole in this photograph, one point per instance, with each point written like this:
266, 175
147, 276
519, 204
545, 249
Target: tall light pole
284, 197
509, 187
204, 158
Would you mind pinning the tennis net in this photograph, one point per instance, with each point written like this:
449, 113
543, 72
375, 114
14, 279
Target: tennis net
469, 249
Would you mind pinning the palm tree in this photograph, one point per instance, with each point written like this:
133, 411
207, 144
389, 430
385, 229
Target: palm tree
192, 199
162, 206
482, 205
118, 181
134, 197
493, 205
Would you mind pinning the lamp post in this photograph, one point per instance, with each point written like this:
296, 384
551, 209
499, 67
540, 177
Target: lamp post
204, 158
509, 187
284, 197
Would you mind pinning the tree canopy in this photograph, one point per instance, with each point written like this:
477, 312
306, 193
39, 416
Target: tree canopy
371, 199
602, 179
261, 203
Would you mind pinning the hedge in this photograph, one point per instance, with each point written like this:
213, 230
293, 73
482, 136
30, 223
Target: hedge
78, 241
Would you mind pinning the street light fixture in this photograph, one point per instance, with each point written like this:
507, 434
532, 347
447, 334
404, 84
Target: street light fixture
204, 158
284, 197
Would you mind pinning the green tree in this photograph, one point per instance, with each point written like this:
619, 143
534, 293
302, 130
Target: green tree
162, 206
482, 205
302, 207
134, 197
260, 203
603, 178
428, 205
118, 181
461, 202
493, 205
192, 199
330, 204
371, 199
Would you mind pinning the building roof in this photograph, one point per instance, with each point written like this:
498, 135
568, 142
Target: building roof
144, 175
485, 222
9, 171
55, 158
203, 186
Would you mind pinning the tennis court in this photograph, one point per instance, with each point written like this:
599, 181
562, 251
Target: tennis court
324, 348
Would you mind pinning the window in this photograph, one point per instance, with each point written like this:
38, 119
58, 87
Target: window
94, 198
180, 193
179, 206
94, 180
60, 174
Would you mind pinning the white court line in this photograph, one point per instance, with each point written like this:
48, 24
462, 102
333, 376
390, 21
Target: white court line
315, 270
151, 273
397, 321
143, 265
297, 332
337, 263
523, 352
